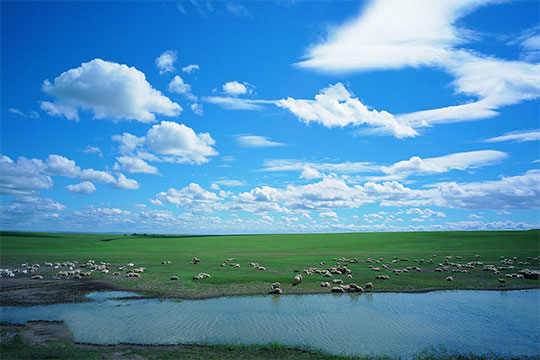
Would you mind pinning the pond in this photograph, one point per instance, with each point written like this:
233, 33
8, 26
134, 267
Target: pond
504, 323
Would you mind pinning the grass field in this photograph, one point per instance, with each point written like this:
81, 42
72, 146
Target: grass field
280, 254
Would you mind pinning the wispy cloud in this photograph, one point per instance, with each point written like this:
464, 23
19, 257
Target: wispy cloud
247, 140
517, 136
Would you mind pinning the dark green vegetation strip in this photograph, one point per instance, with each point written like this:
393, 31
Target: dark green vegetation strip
64, 350
280, 254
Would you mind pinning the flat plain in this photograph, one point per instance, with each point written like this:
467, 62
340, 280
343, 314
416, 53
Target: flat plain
281, 255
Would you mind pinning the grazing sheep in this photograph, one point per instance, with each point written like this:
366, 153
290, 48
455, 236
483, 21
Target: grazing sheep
236, 265
276, 285
37, 277
223, 264
276, 291
296, 270
355, 288
337, 281
369, 286
173, 278
502, 281
382, 277
195, 261
349, 276
325, 284
297, 280
449, 278
201, 276
116, 273
337, 289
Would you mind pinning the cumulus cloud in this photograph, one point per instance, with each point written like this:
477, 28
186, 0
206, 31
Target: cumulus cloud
180, 141
197, 109
125, 184
330, 215
134, 165
192, 197
177, 85
165, 62
335, 106
236, 88
426, 213
190, 68
169, 142
108, 90
310, 173
23, 176
29, 175
517, 136
84, 187
256, 141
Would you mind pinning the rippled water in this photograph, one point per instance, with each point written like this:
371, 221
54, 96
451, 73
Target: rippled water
483, 322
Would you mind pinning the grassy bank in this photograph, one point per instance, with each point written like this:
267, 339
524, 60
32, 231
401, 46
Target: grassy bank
19, 348
280, 255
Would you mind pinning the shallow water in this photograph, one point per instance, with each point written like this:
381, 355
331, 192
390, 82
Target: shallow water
505, 323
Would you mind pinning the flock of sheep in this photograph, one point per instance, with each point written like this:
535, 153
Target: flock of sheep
340, 268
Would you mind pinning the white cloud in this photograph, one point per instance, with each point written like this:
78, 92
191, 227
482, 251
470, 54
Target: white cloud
128, 142
232, 103
331, 215
442, 164
23, 176
180, 141
125, 184
156, 202
62, 166
197, 109
517, 136
415, 165
475, 216
426, 213
392, 34
192, 198
134, 165
172, 142
255, 141
31, 114
108, 90
229, 182
165, 62
85, 187
335, 106
93, 150
235, 88
190, 68
177, 85
298, 165
310, 173
237, 10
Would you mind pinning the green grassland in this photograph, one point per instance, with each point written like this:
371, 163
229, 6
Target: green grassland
280, 254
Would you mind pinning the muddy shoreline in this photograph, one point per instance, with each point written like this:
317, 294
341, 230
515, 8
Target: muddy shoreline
25, 291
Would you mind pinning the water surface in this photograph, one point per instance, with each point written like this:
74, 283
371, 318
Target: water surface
505, 323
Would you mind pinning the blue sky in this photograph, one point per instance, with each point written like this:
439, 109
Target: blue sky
270, 116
